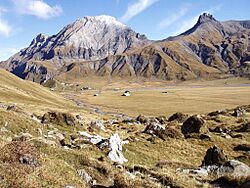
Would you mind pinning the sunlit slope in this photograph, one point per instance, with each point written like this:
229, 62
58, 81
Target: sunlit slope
16, 90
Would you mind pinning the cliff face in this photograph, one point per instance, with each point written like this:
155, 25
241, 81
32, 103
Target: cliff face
102, 46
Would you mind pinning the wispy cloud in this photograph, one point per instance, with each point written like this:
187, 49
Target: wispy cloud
37, 8
188, 23
5, 28
136, 8
174, 17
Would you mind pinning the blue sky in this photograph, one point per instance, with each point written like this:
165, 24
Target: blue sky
22, 20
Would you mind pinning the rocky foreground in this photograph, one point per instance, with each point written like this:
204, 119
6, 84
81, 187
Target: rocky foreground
58, 149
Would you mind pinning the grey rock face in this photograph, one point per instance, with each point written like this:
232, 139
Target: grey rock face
89, 38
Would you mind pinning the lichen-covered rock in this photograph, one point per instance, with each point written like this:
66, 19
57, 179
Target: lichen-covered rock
115, 149
192, 125
85, 176
214, 156
59, 118
97, 125
179, 117
153, 128
238, 112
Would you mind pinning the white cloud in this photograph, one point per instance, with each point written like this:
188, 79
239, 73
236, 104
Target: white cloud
173, 18
188, 23
37, 8
5, 28
136, 8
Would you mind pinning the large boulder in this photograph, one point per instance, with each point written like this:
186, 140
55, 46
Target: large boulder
192, 125
214, 156
238, 112
115, 149
59, 118
179, 117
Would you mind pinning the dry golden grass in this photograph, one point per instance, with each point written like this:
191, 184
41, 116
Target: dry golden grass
184, 99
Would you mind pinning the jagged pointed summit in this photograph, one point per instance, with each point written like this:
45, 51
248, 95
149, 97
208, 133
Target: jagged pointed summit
205, 24
205, 17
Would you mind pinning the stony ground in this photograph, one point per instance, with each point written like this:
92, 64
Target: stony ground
61, 149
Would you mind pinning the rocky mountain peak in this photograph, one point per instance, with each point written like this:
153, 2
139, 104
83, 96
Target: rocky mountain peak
101, 19
205, 17
88, 38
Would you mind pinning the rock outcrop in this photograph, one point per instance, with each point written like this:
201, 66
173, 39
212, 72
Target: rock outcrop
214, 156
192, 125
115, 149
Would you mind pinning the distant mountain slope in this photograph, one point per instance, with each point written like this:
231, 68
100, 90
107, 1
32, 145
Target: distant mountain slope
18, 91
101, 46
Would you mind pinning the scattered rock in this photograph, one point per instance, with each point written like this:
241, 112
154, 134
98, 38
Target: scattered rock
162, 119
4, 130
219, 129
58, 118
14, 108
205, 137
235, 135
225, 135
115, 149
179, 117
218, 112
66, 142
94, 139
36, 118
97, 125
214, 156
231, 182
242, 147
50, 83
233, 168
85, 176
143, 119
23, 137
243, 128
49, 142
192, 125
28, 159
153, 128
238, 112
